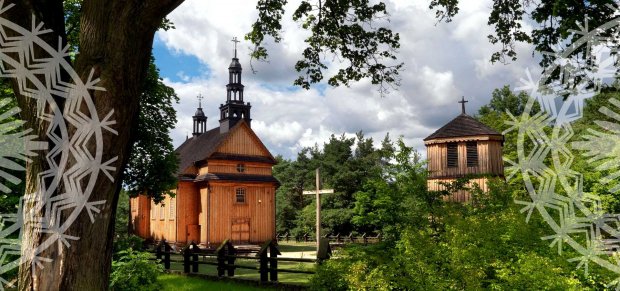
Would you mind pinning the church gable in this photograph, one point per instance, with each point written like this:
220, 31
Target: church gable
242, 141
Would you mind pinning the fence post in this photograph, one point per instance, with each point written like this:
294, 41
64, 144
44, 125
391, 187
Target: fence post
167, 250
158, 252
195, 250
230, 251
187, 253
221, 259
287, 237
273, 262
263, 268
364, 238
338, 238
306, 237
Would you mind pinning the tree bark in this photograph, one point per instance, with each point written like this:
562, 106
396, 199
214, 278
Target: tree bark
115, 40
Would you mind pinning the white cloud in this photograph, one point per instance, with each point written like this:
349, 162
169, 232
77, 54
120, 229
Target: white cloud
442, 62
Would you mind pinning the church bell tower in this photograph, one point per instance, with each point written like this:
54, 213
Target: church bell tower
235, 109
200, 119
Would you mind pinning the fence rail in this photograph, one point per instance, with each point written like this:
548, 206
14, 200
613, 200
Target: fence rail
226, 256
334, 240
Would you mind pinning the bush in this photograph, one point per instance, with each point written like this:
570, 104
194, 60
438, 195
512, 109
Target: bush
132, 270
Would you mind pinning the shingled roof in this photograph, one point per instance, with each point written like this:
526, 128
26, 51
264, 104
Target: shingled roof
462, 125
199, 147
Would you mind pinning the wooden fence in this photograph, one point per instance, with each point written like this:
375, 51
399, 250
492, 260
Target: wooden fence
334, 240
226, 256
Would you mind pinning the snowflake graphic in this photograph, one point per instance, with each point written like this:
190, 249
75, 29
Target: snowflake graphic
14, 145
73, 152
545, 151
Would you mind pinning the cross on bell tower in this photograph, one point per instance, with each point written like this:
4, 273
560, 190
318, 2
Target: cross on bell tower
235, 108
200, 119
463, 101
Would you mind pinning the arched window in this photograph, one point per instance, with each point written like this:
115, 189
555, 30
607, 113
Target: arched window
240, 195
240, 168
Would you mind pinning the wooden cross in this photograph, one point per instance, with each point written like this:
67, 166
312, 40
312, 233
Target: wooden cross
463, 101
317, 192
234, 40
199, 100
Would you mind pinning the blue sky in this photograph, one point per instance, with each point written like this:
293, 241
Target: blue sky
442, 63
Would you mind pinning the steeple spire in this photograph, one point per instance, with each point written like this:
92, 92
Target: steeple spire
235, 41
235, 108
463, 101
200, 119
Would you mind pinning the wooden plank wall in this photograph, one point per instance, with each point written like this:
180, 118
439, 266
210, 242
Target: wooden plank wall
251, 168
461, 195
242, 142
140, 216
188, 210
259, 208
489, 160
163, 224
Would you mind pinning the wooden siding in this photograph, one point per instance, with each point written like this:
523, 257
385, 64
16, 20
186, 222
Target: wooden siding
251, 168
162, 225
461, 195
243, 142
258, 211
140, 216
489, 160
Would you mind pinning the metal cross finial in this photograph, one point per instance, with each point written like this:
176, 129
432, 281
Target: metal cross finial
463, 101
234, 40
199, 100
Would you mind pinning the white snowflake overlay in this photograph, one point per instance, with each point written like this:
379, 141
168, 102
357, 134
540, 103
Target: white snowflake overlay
545, 150
65, 187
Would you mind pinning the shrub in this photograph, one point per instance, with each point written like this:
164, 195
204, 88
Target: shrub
132, 270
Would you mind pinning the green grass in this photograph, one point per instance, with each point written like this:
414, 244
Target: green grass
183, 283
293, 246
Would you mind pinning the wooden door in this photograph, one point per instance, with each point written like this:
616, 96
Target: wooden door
240, 230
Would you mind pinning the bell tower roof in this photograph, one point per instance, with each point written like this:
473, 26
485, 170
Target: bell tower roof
200, 119
235, 108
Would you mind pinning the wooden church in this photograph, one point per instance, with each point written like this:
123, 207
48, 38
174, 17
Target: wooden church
226, 189
464, 147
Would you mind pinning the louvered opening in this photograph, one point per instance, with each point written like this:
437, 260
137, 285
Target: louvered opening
472, 154
453, 155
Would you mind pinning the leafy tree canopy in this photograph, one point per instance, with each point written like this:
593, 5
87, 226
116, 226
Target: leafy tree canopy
349, 31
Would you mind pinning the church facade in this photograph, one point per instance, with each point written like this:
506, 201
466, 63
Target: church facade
225, 190
463, 148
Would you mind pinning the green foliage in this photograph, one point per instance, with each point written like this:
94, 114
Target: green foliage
484, 245
132, 270
342, 168
348, 30
558, 21
153, 164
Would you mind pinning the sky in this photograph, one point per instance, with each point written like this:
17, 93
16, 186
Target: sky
443, 61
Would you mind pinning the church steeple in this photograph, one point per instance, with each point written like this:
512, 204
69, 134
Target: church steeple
235, 108
200, 119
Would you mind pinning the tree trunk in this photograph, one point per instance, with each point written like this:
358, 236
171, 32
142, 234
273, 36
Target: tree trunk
115, 40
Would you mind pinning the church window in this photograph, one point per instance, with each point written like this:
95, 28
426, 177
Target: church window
173, 209
153, 209
453, 155
240, 195
162, 211
472, 154
240, 168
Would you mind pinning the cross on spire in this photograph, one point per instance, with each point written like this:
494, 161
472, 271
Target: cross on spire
200, 100
235, 41
463, 101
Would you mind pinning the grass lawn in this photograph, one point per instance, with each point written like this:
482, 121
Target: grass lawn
182, 283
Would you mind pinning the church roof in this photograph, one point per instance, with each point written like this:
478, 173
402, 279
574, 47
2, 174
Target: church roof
199, 147
462, 125
203, 146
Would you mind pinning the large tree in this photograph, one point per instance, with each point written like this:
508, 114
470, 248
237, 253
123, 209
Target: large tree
115, 40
